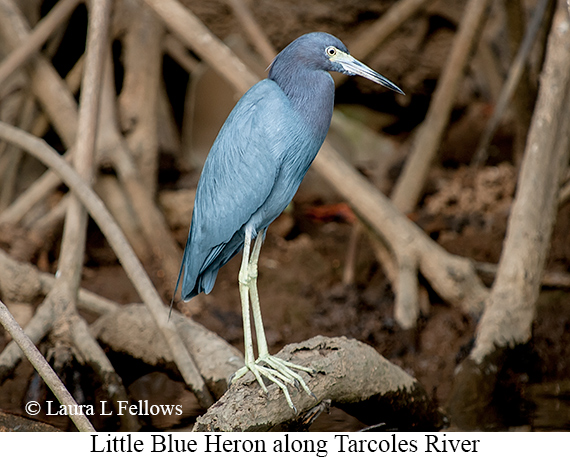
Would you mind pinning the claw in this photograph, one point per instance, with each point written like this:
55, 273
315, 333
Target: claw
279, 372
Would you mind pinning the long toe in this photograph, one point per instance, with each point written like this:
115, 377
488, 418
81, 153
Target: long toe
286, 369
277, 371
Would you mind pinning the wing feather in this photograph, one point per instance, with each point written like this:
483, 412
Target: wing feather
238, 176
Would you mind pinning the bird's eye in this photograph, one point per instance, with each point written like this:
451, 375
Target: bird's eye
331, 51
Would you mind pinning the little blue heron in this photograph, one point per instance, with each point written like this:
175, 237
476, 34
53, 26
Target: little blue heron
251, 174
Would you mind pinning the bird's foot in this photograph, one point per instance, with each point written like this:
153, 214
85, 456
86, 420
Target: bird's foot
277, 371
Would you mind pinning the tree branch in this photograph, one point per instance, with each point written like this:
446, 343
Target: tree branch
389, 394
51, 22
372, 37
515, 74
41, 151
410, 184
44, 369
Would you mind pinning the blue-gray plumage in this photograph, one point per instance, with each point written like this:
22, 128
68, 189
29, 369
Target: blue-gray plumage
253, 170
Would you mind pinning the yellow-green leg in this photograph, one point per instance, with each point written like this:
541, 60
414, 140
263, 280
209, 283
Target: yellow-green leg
273, 368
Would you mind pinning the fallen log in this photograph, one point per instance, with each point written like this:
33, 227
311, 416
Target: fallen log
349, 374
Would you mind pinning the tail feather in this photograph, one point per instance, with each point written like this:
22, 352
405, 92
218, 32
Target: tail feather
198, 272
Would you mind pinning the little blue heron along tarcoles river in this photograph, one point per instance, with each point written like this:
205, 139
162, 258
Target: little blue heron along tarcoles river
252, 172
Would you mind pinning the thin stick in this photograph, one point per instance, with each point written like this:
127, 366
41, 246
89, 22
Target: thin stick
372, 37
36, 329
114, 197
175, 49
564, 194
511, 84
376, 34
350, 260
44, 369
74, 233
195, 34
53, 20
426, 143
42, 187
139, 94
251, 27
40, 233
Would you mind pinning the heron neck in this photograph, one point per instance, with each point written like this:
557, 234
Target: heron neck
311, 93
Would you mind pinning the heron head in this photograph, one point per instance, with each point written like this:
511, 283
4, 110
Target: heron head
322, 51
